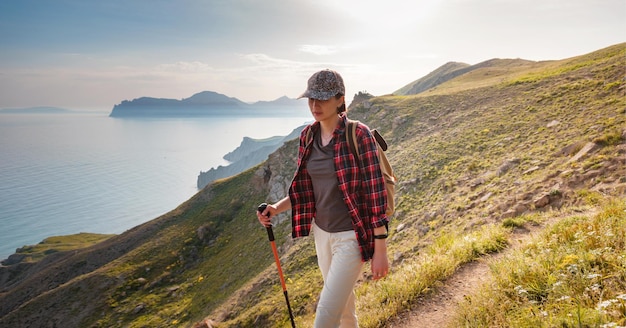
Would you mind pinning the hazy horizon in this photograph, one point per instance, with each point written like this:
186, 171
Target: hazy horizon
92, 55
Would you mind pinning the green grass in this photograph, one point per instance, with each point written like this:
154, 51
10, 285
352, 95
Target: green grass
203, 273
377, 301
573, 275
50, 245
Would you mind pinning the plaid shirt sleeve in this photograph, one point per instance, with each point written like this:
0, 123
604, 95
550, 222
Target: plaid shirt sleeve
301, 190
363, 186
373, 182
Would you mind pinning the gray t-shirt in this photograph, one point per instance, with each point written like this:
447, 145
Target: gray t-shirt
331, 212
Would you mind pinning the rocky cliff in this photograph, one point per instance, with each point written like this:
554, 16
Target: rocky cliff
250, 153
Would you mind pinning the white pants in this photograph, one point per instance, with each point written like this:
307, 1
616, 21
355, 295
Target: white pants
339, 259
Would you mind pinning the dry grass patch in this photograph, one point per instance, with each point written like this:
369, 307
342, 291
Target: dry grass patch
573, 275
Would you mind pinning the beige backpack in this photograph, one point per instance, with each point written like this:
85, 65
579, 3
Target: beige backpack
385, 166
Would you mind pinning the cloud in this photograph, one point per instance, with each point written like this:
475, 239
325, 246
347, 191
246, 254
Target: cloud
185, 67
317, 49
264, 60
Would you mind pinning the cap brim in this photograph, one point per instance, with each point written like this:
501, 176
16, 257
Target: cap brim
319, 95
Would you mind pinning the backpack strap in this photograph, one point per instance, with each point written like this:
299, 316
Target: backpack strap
381, 141
351, 138
309, 136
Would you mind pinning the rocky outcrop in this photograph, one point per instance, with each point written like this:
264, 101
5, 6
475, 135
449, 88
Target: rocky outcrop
553, 191
276, 174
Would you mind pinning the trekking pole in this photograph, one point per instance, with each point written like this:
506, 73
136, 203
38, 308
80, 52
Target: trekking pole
270, 235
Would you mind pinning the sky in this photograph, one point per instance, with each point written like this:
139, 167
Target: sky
92, 54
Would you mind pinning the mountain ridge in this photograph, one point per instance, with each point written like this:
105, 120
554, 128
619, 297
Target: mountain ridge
488, 72
201, 104
443, 73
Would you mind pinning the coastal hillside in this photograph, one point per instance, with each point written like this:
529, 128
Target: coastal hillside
250, 153
504, 146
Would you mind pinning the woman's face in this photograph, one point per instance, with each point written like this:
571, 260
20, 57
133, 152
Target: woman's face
325, 109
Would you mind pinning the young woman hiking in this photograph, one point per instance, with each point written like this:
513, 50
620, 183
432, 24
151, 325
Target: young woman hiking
339, 198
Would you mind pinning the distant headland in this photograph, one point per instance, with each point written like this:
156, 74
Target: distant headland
206, 103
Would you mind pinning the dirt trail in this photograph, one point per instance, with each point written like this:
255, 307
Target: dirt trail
435, 309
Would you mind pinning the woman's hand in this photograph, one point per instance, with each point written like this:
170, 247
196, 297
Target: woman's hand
265, 217
380, 261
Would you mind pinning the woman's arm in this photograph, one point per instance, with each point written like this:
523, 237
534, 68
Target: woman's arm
265, 218
374, 192
375, 197
380, 261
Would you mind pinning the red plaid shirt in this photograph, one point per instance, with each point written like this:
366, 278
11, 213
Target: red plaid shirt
363, 189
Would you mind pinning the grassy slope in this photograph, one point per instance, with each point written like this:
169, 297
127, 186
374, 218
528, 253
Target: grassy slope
50, 245
448, 147
572, 275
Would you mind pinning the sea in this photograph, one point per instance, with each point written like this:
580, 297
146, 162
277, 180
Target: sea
73, 172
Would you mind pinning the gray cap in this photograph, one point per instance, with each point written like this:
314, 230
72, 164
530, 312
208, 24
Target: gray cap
323, 85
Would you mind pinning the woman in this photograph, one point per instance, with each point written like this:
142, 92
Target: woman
342, 199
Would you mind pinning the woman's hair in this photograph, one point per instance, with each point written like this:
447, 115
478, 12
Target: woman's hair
341, 108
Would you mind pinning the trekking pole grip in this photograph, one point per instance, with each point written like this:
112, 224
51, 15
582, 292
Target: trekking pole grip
270, 232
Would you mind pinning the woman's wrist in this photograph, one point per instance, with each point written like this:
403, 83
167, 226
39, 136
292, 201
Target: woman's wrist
380, 244
381, 236
380, 233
